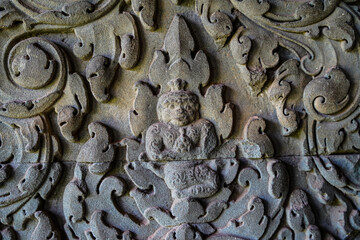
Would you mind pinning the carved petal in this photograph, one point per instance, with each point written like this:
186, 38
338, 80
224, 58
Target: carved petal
97, 149
146, 10
100, 230
45, 229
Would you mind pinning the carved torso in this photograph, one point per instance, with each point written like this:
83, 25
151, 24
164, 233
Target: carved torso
166, 141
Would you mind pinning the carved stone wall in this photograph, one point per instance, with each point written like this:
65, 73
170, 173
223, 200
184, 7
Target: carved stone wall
179, 119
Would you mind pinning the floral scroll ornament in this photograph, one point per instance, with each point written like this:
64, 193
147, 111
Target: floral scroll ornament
36, 75
300, 60
122, 48
37, 79
28, 93
90, 198
55, 85
184, 177
29, 166
29, 172
312, 79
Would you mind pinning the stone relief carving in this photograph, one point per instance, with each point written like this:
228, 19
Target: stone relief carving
244, 122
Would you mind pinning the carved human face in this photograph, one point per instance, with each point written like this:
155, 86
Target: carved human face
179, 109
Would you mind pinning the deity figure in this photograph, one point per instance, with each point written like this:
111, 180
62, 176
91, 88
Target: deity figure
180, 177
182, 135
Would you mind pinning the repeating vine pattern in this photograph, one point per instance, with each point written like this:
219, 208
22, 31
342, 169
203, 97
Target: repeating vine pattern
182, 173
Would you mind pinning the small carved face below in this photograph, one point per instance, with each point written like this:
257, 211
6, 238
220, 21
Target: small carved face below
180, 108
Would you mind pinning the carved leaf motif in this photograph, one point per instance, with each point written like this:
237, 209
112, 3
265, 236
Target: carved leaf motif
254, 51
252, 224
35, 185
45, 229
129, 54
74, 198
288, 77
274, 223
29, 108
306, 29
145, 179
146, 10
90, 195
52, 179
256, 143
145, 102
329, 186
84, 48
229, 169
38, 179
97, 149
107, 55
24, 214
185, 211
240, 46
278, 179
134, 149
130, 46
254, 181
70, 11
323, 191
100, 76
327, 95
218, 25
70, 115
178, 41
337, 27
298, 15
352, 138
112, 186
32, 179
215, 109
330, 172
344, 217
285, 234
335, 137
299, 214
100, 230
31, 131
